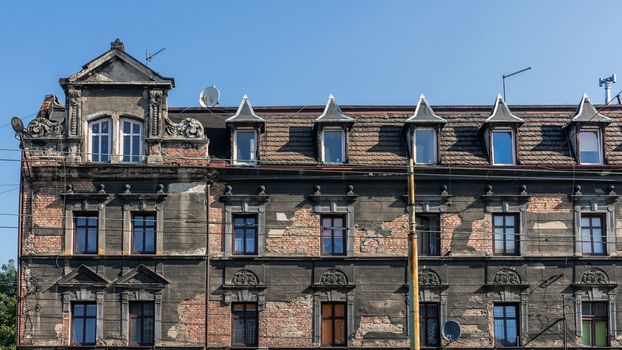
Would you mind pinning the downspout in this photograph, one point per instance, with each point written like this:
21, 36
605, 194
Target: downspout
20, 230
207, 257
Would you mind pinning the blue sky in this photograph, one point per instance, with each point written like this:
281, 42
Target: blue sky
299, 52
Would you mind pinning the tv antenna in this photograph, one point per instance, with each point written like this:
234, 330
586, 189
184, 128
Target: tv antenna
509, 75
606, 82
209, 97
149, 56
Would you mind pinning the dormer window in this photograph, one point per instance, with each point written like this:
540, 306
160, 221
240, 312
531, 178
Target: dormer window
100, 140
131, 141
502, 145
245, 146
590, 146
333, 145
422, 133
586, 133
500, 132
245, 127
424, 143
332, 134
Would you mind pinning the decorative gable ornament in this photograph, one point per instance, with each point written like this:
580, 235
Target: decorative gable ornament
141, 277
428, 277
244, 278
506, 277
334, 277
594, 277
82, 277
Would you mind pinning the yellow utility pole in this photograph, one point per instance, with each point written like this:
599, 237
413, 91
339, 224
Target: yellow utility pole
413, 258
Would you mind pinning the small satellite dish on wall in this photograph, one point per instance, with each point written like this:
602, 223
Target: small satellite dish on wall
209, 96
17, 125
451, 331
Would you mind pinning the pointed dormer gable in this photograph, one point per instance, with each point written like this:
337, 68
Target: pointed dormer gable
117, 67
424, 114
501, 114
333, 114
587, 113
82, 277
141, 277
245, 114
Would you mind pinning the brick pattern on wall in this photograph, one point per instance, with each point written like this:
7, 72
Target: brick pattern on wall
390, 239
219, 333
191, 326
379, 324
480, 239
287, 324
302, 237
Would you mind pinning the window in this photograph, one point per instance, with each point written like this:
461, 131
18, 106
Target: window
593, 238
506, 325
333, 141
83, 321
245, 234
594, 322
244, 324
131, 141
502, 147
245, 150
424, 143
143, 234
590, 147
333, 235
428, 231
141, 323
85, 238
333, 324
429, 324
506, 234
100, 140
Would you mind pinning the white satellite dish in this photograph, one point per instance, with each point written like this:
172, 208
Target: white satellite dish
209, 96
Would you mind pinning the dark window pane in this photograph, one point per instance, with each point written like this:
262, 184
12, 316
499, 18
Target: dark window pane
245, 146
425, 146
244, 323
334, 321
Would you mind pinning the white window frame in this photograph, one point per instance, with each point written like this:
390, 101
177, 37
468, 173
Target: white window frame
492, 145
131, 134
599, 145
343, 144
434, 145
253, 152
91, 135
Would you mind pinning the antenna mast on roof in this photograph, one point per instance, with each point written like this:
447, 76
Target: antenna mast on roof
509, 75
149, 56
607, 83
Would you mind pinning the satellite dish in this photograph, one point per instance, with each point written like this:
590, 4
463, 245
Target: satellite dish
17, 125
451, 331
209, 96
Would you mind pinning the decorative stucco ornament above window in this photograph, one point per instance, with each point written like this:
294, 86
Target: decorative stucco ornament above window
586, 133
500, 131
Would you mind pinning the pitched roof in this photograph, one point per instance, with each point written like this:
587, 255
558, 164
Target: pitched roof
333, 114
587, 113
245, 113
424, 114
115, 66
501, 113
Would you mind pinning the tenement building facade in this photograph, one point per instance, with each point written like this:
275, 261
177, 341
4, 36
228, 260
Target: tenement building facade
145, 225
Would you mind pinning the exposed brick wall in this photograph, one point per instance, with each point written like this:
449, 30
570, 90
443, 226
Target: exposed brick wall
550, 204
449, 223
287, 324
216, 226
302, 237
42, 232
219, 332
379, 324
481, 235
184, 153
191, 326
390, 239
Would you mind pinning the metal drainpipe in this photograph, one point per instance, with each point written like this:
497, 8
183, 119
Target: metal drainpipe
207, 256
20, 229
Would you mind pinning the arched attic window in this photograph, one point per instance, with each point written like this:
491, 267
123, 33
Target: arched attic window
332, 132
586, 133
100, 140
500, 134
245, 127
422, 133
